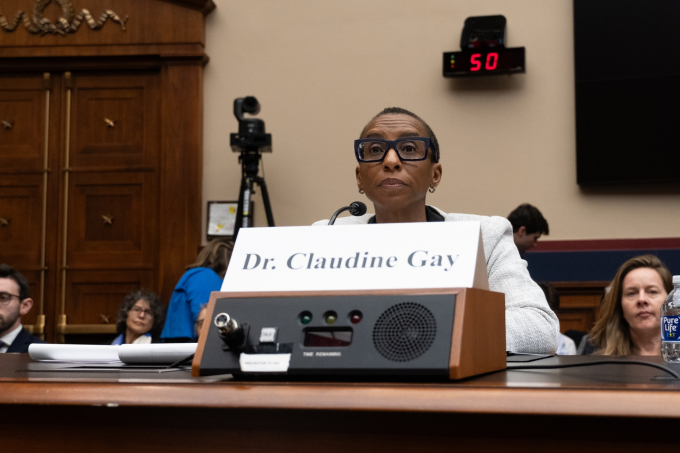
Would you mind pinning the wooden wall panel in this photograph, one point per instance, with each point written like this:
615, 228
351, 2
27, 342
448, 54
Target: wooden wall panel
579, 304
115, 120
22, 114
113, 220
94, 297
181, 170
124, 141
576, 319
20, 206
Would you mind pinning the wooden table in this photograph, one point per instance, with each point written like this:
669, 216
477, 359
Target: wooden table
601, 408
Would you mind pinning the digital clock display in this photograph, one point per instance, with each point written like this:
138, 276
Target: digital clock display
327, 337
490, 61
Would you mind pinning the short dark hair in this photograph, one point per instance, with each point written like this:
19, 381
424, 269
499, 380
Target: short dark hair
399, 111
529, 217
7, 271
154, 304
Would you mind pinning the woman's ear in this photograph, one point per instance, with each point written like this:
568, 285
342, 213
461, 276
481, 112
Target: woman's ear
436, 174
358, 178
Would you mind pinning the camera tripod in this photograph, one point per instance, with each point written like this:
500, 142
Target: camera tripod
249, 169
251, 141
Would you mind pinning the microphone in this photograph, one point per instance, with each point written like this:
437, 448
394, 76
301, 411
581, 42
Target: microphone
355, 208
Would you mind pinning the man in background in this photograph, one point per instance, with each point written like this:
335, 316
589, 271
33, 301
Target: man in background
528, 225
14, 303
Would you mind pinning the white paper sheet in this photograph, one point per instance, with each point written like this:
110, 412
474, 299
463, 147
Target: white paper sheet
165, 353
73, 352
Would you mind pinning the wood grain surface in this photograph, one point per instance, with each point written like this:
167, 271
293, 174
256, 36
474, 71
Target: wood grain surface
616, 408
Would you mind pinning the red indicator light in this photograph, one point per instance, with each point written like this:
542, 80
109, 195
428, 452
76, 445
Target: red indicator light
475, 64
355, 317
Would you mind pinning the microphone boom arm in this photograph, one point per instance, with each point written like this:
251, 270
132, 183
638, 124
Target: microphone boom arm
337, 213
356, 208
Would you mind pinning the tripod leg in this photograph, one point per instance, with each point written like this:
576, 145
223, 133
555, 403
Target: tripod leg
241, 203
247, 213
265, 199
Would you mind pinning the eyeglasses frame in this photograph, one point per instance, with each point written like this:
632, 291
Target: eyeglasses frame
143, 311
391, 144
4, 304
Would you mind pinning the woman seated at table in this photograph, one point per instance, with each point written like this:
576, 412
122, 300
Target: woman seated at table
630, 315
193, 290
398, 157
140, 319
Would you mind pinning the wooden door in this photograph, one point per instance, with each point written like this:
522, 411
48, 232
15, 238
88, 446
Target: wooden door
110, 202
29, 155
79, 193
95, 201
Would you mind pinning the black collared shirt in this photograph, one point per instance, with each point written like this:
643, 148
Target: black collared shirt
431, 215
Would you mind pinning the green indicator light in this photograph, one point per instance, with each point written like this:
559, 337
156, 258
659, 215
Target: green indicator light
306, 319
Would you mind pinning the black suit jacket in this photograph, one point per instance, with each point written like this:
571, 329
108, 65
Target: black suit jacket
21, 342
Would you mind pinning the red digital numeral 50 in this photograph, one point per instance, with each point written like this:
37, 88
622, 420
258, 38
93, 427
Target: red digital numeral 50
491, 61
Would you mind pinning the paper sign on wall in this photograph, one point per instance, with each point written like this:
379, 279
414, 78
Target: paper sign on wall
346, 257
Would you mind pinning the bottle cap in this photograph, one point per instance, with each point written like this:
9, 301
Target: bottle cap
676, 279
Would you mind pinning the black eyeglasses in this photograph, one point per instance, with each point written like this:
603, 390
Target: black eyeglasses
5, 298
407, 148
139, 310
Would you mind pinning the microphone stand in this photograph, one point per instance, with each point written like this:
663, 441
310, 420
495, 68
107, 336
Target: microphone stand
355, 208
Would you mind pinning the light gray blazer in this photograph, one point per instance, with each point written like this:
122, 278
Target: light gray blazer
530, 324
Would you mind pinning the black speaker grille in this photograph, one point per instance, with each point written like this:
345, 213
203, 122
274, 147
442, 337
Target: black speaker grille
404, 332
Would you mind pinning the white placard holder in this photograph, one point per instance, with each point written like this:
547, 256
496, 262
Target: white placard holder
358, 257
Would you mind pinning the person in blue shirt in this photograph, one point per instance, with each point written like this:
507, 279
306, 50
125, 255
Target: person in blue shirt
193, 290
140, 318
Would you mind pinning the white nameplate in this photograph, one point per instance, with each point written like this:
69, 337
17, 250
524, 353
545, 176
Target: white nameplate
264, 363
348, 257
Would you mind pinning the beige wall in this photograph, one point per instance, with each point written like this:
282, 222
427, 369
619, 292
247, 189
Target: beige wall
322, 68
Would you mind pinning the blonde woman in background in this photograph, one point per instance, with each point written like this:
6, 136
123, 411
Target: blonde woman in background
193, 290
629, 321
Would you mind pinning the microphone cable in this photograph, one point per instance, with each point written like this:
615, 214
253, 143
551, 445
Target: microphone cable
596, 362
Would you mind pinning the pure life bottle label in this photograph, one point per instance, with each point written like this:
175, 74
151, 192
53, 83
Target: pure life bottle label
670, 328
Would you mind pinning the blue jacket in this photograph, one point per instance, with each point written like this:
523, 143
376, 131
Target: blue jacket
192, 291
120, 339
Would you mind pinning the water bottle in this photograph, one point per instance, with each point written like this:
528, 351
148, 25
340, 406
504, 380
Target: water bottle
670, 324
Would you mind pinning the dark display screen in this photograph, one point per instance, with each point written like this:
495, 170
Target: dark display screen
484, 62
326, 337
627, 93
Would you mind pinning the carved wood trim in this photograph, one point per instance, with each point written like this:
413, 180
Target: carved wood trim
68, 22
